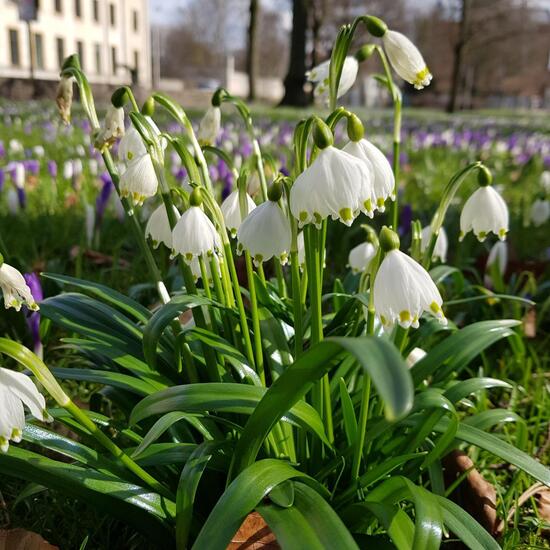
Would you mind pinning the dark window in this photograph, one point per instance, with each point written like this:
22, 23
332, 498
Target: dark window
57, 6
114, 64
112, 14
80, 52
39, 51
14, 46
95, 9
98, 58
77, 8
60, 46
135, 20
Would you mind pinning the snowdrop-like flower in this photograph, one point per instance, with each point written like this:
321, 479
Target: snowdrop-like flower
336, 184
64, 98
540, 212
383, 180
265, 232
209, 126
158, 227
195, 235
403, 289
196, 268
113, 128
15, 289
231, 211
139, 180
406, 60
319, 76
16, 390
483, 212
441, 244
414, 356
301, 249
498, 254
131, 146
360, 257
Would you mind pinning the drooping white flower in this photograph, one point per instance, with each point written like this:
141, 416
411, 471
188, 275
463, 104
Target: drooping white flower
16, 390
15, 289
360, 257
483, 212
336, 184
414, 356
112, 129
540, 212
406, 60
196, 267
131, 145
441, 244
265, 233
403, 289
139, 180
499, 255
158, 227
209, 126
64, 98
301, 249
231, 210
319, 76
383, 179
194, 235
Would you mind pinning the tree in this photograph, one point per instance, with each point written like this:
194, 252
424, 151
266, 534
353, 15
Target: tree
251, 54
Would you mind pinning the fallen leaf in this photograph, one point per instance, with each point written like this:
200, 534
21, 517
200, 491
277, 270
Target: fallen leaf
20, 539
253, 534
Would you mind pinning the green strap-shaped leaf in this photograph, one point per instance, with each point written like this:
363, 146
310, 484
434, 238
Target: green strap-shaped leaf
379, 358
460, 390
241, 497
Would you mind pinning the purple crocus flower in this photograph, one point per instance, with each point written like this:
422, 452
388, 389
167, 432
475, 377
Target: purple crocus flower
2, 150
52, 168
32, 166
405, 219
2, 179
103, 199
33, 317
21, 197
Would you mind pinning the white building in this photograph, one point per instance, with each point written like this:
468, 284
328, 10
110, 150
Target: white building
112, 37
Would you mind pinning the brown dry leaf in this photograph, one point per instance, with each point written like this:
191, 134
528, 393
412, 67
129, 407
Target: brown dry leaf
543, 504
20, 539
253, 534
530, 324
475, 494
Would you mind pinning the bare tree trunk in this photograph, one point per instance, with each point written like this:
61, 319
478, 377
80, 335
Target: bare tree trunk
295, 78
458, 57
251, 54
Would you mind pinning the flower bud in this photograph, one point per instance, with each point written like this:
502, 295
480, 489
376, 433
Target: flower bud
64, 98
148, 107
356, 131
484, 176
276, 190
375, 26
322, 134
363, 53
389, 239
195, 199
72, 61
118, 99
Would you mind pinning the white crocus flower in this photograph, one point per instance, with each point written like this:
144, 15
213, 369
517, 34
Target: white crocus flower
64, 98
319, 76
336, 184
406, 60
540, 212
383, 180
15, 289
194, 235
113, 128
158, 227
209, 126
360, 257
19, 175
231, 210
414, 356
16, 390
68, 171
403, 289
265, 233
441, 244
483, 212
139, 180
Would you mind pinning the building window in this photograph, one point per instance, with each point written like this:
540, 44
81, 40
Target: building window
58, 8
60, 46
112, 14
77, 9
80, 52
39, 51
135, 20
114, 63
98, 58
95, 9
14, 46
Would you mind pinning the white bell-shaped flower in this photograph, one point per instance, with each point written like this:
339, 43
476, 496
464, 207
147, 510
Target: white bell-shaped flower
383, 180
265, 233
301, 249
16, 390
131, 145
499, 255
112, 129
158, 227
403, 289
540, 212
336, 184
319, 76
196, 267
360, 257
231, 210
139, 180
209, 126
15, 289
194, 235
415, 355
441, 244
406, 60
483, 212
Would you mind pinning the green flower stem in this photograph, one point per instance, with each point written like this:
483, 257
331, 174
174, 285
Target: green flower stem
116, 451
204, 277
297, 303
188, 358
258, 352
259, 164
261, 273
281, 285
